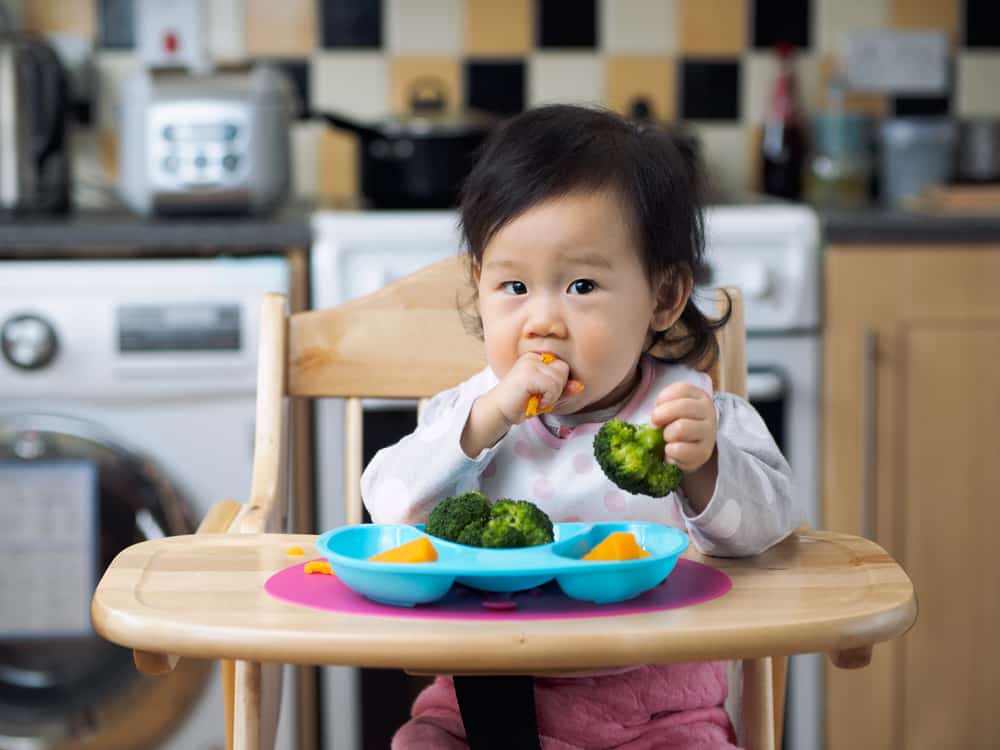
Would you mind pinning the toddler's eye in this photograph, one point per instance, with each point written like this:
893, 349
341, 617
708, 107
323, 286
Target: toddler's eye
581, 286
514, 287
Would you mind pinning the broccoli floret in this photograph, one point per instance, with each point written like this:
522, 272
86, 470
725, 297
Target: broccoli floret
460, 518
517, 523
631, 456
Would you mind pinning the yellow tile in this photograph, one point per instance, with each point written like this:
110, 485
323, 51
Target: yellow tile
109, 152
926, 14
712, 27
406, 73
287, 27
755, 138
338, 168
652, 77
61, 16
493, 28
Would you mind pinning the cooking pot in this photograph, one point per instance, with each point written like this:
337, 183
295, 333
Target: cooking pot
416, 160
979, 150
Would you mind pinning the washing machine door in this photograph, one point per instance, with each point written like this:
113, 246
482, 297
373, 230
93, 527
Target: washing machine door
70, 500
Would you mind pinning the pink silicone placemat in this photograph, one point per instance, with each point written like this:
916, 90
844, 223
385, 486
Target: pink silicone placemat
690, 583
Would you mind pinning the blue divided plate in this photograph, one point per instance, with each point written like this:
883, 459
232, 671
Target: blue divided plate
501, 570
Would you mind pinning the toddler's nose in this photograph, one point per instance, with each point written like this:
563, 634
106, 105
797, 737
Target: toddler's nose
545, 320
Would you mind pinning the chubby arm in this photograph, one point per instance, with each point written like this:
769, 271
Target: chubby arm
753, 505
403, 482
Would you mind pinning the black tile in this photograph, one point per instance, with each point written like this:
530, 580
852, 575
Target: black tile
115, 21
566, 23
350, 23
495, 86
982, 23
710, 89
920, 106
780, 21
298, 73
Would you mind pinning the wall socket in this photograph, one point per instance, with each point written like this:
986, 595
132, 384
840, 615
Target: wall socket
897, 62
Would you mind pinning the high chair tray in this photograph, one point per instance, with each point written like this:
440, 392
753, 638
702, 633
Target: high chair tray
203, 596
349, 548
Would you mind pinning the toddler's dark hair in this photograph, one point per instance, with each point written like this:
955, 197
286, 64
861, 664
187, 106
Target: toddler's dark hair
552, 151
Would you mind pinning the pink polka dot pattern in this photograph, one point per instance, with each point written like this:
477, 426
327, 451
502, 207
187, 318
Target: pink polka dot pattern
542, 488
490, 471
583, 463
522, 449
615, 501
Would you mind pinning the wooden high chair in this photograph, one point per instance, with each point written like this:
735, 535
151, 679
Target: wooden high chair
202, 595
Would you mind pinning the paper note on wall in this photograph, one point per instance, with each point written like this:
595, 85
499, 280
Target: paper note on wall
898, 62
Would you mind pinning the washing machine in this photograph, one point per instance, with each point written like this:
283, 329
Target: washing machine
127, 399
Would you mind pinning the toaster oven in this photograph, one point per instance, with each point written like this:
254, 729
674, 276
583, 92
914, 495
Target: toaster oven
205, 143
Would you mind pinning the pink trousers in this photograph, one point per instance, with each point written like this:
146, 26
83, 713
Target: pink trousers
674, 707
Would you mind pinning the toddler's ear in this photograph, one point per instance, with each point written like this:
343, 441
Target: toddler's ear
671, 296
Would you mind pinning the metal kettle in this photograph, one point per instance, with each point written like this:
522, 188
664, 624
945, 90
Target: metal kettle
34, 148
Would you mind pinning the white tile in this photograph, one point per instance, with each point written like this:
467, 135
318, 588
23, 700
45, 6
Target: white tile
833, 18
757, 84
725, 153
225, 30
424, 27
638, 26
565, 77
112, 69
353, 83
978, 92
305, 159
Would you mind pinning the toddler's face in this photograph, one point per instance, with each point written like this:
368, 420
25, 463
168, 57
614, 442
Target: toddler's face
566, 277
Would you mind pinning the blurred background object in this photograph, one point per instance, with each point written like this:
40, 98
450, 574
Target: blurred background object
708, 64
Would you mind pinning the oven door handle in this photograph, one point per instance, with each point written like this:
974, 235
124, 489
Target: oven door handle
765, 385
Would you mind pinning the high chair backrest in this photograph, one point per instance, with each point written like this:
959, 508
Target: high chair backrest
407, 341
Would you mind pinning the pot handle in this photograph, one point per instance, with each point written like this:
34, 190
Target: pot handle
345, 123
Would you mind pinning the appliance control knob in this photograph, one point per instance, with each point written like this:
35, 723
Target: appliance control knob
28, 341
756, 280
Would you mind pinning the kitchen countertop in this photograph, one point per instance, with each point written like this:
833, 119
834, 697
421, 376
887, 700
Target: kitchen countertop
882, 226
119, 233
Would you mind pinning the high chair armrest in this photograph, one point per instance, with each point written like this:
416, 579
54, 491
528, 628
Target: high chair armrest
217, 521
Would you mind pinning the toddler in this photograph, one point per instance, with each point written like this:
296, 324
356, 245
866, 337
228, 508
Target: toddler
583, 233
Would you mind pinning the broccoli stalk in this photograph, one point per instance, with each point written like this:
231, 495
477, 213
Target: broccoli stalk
631, 456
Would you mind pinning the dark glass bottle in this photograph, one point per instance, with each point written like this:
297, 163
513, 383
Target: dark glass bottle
783, 149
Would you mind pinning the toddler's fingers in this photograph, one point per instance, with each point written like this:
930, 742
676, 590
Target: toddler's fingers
683, 408
685, 455
685, 431
572, 388
679, 390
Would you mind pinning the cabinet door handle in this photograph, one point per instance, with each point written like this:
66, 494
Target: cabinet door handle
869, 397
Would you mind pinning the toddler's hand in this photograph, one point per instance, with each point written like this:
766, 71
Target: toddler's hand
687, 415
532, 376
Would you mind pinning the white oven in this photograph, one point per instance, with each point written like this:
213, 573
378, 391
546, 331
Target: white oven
770, 251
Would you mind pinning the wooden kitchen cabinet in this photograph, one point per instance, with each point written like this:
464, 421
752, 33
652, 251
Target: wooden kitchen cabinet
911, 434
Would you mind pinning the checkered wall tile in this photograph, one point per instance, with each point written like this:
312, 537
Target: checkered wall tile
707, 61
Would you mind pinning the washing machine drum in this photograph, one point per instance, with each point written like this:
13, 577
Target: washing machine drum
57, 687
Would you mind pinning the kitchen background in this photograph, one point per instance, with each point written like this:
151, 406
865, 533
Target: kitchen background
855, 318
709, 63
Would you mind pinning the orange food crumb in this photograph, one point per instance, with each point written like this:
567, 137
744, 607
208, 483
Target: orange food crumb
619, 545
295, 551
418, 551
318, 566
